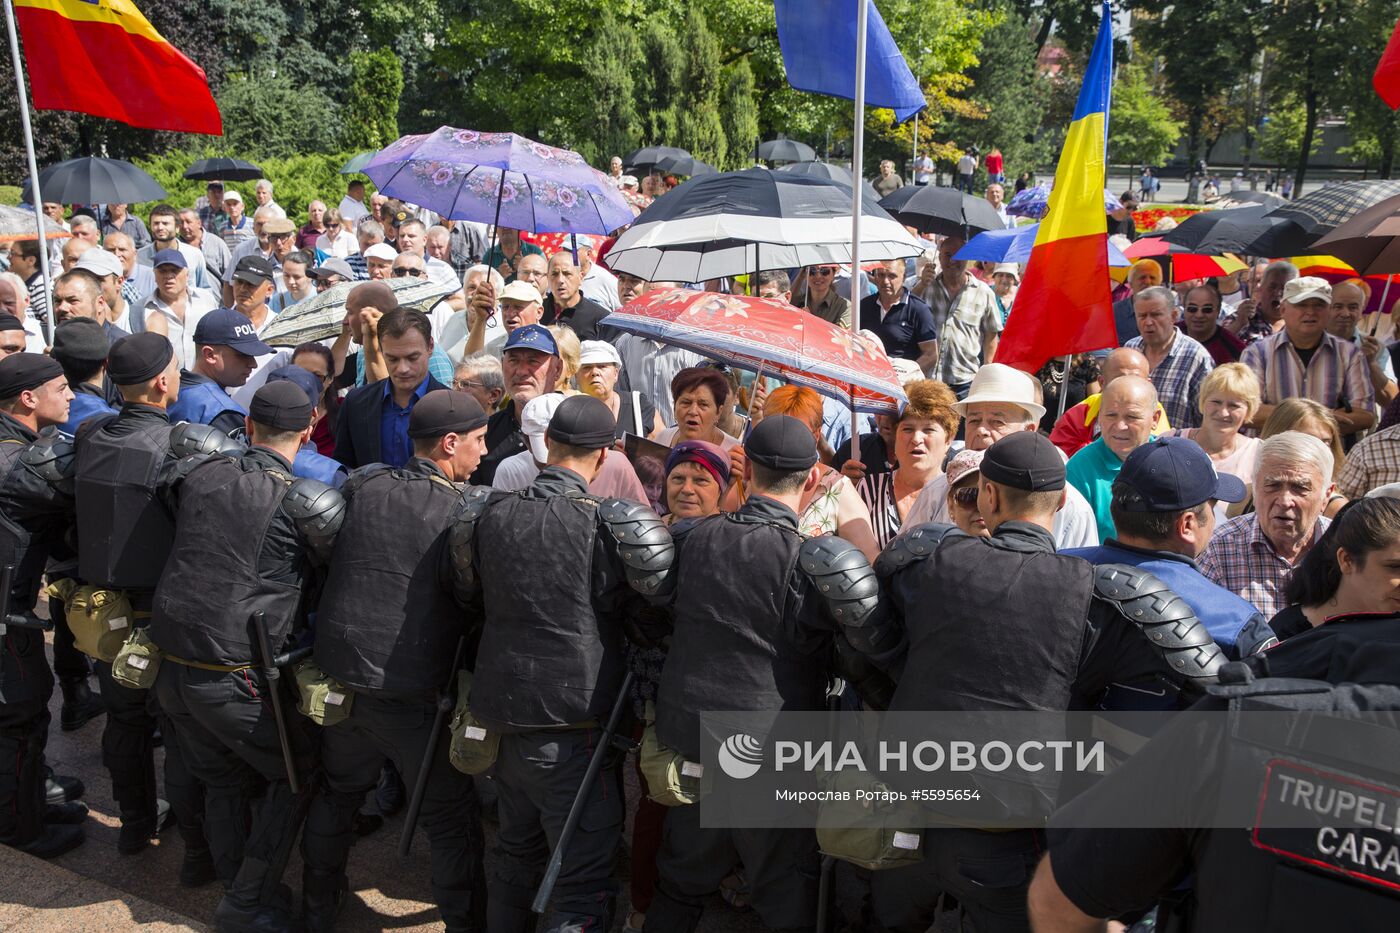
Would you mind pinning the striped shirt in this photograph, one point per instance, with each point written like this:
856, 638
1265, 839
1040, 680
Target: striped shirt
1336, 375
1242, 559
1373, 462
877, 490
1178, 378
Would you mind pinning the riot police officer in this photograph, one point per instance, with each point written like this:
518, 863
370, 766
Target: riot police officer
554, 578
33, 515
386, 629
124, 535
243, 531
1058, 634
763, 640
226, 347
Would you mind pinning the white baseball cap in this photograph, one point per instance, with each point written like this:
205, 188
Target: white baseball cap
1307, 287
382, 251
521, 291
100, 263
596, 352
534, 422
233, 196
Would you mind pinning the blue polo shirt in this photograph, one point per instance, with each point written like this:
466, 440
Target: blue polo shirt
908, 324
395, 446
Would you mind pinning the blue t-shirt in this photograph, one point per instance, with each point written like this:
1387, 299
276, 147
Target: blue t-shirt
396, 448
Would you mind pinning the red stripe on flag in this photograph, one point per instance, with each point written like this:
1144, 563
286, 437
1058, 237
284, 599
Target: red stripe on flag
140, 82
1386, 80
1062, 305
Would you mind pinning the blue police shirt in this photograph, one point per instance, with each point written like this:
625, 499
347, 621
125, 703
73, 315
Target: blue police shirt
395, 447
1237, 627
85, 404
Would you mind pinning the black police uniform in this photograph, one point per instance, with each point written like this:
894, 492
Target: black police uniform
763, 641
548, 670
387, 627
33, 515
238, 550
125, 530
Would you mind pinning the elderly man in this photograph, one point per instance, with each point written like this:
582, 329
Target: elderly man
996, 197
1127, 420
1261, 314
438, 245
73, 247
379, 261
905, 324
966, 317
815, 293
84, 227
119, 219
314, 227
1178, 364
1253, 555
175, 307
567, 304
13, 339
368, 232
1348, 306
1004, 401
211, 211
1201, 322
331, 272
1304, 361
237, 228
352, 206
193, 233
1145, 273
598, 285
480, 376
137, 280
530, 365
1162, 515
413, 239
262, 193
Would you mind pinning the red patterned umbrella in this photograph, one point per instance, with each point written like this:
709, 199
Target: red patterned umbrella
760, 334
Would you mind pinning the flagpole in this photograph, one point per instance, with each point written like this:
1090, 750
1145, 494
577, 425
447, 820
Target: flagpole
857, 158
35, 196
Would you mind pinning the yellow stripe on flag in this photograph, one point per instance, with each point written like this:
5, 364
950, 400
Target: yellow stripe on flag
122, 13
1076, 201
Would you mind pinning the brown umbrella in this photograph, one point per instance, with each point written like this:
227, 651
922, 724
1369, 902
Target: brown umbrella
1369, 242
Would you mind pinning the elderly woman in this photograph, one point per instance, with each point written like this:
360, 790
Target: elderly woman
700, 393
922, 435
697, 477
964, 473
1230, 396
834, 506
1310, 417
599, 367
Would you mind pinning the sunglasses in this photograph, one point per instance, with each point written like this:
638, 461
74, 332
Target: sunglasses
966, 497
1200, 309
823, 270
417, 273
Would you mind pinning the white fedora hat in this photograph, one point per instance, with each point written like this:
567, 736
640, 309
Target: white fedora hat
997, 382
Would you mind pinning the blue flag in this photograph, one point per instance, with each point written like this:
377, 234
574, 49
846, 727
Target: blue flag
818, 39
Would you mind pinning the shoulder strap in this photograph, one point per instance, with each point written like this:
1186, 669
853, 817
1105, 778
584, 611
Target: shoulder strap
637, 415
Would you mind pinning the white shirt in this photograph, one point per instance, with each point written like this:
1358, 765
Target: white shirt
967, 165
198, 303
923, 169
441, 273
345, 244
600, 286
352, 210
668, 438
453, 336
34, 341
1075, 524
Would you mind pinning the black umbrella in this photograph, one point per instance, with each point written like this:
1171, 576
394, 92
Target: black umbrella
646, 158
1252, 231
942, 211
222, 169
685, 165
786, 150
831, 173
96, 181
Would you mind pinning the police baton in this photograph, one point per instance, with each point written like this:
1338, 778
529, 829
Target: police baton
828, 863
18, 619
273, 678
445, 702
590, 777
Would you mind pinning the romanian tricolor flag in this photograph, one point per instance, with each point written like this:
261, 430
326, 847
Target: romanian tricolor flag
1064, 304
102, 57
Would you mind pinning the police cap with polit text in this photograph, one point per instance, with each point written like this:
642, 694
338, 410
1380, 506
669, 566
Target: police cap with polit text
139, 358
444, 411
281, 406
583, 421
20, 372
1025, 460
781, 442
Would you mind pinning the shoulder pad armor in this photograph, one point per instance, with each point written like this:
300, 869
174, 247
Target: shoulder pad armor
643, 542
850, 589
1169, 624
188, 439
913, 546
51, 458
462, 537
318, 511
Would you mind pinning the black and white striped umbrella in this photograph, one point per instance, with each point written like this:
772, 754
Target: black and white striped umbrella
757, 219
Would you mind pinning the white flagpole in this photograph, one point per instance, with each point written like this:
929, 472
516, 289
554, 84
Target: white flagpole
857, 157
35, 196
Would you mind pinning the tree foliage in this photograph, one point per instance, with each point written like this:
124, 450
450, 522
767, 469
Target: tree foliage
740, 113
701, 131
371, 114
270, 116
1141, 130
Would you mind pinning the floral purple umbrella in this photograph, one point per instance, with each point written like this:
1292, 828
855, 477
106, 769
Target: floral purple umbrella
501, 179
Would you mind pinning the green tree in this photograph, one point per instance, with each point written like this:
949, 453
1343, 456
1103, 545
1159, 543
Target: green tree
1141, 130
701, 130
1374, 127
1284, 132
616, 56
658, 85
271, 116
740, 113
371, 113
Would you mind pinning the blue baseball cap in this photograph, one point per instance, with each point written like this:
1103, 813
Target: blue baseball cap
532, 337
169, 257
1172, 474
303, 379
225, 327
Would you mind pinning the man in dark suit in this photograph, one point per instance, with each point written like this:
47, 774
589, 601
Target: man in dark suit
373, 422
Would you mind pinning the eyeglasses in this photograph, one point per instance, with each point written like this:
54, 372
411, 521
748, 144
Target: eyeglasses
400, 273
463, 384
966, 497
279, 236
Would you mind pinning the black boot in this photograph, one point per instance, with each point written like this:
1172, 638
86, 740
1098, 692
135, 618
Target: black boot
68, 814
80, 705
197, 869
55, 840
136, 834
323, 894
242, 911
61, 788
670, 916
389, 795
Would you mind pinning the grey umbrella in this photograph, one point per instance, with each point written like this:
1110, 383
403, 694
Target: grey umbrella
786, 150
97, 181
830, 172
